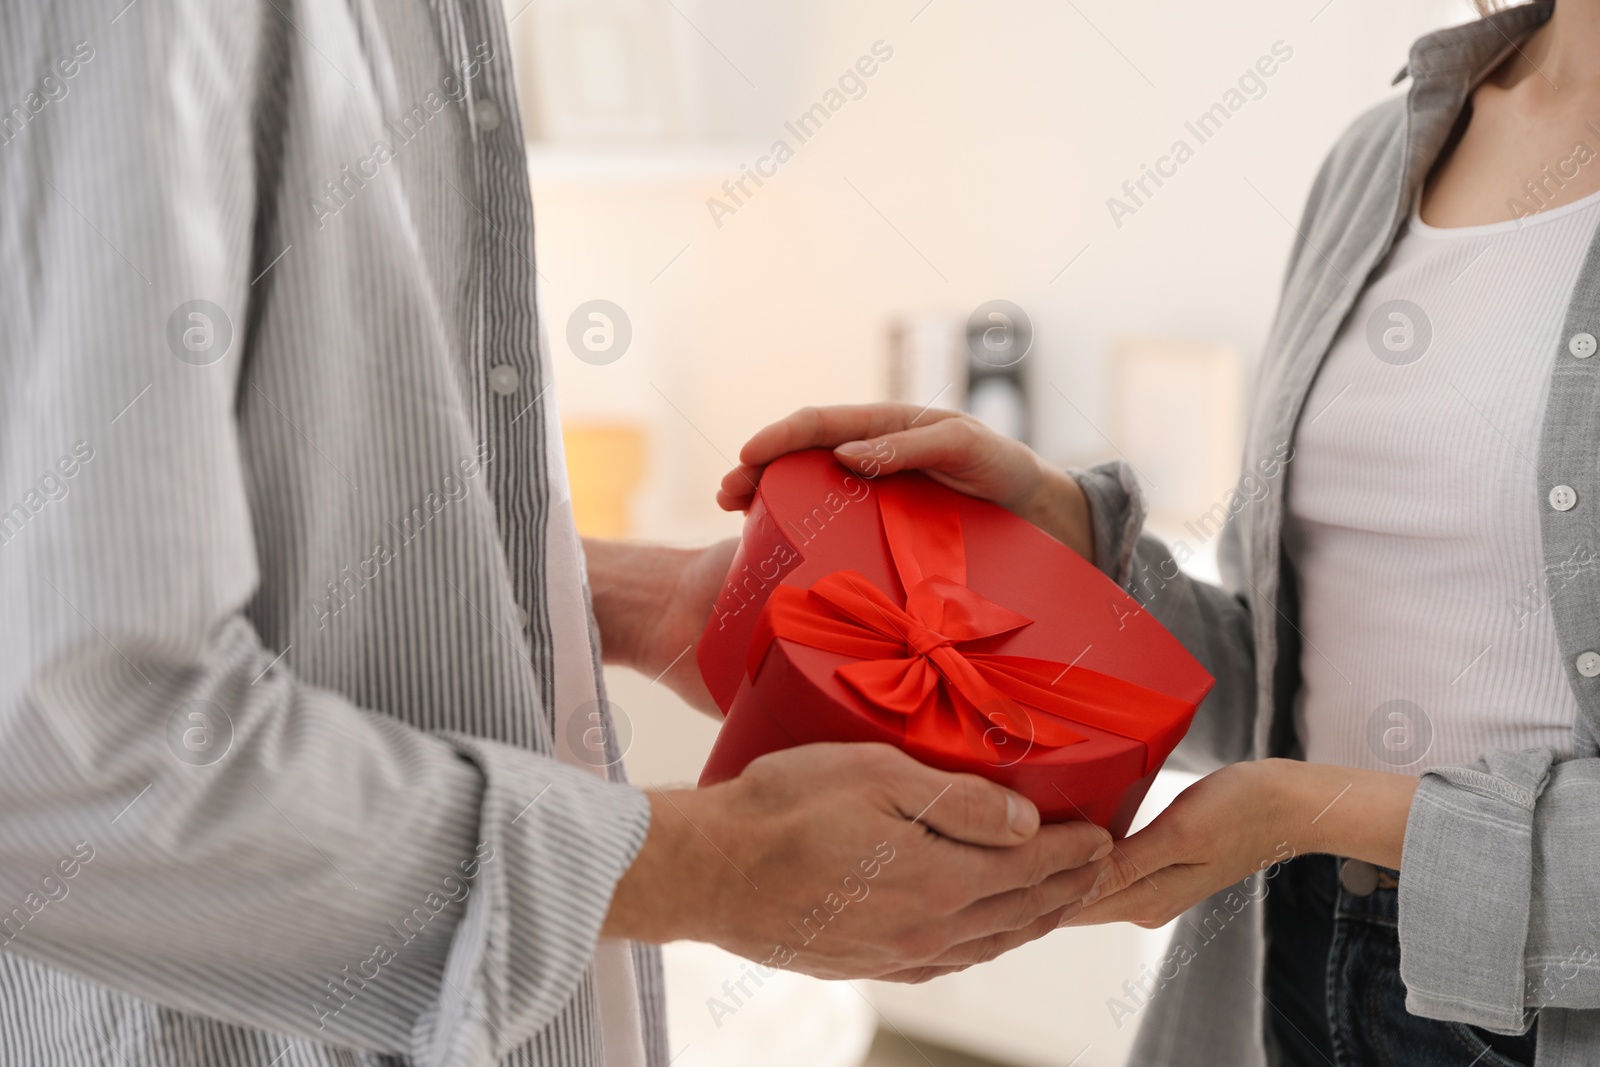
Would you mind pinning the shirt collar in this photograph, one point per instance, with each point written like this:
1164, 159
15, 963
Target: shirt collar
1445, 67
1464, 54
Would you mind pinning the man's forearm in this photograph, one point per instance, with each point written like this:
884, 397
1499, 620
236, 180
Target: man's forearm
674, 888
652, 602
633, 587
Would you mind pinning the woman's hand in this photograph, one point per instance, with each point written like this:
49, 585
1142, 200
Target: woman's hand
1243, 819
951, 447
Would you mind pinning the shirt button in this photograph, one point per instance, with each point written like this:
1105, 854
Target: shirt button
1589, 664
522, 616
504, 380
486, 113
1582, 345
1563, 497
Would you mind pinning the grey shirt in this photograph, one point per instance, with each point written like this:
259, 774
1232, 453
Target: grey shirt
294, 634
1499, 917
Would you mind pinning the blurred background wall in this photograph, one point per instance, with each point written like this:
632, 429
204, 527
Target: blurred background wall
975, 162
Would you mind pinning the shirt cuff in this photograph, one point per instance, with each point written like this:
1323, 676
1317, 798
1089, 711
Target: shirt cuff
1466, 885
555, 841
1116, 514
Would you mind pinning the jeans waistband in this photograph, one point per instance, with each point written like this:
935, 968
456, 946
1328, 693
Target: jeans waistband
1319, 878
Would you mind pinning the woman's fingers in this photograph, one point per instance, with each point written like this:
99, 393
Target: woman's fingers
961, 447
738, 488
825, 427
883, 439
1152, 900
819, 427
1155, 875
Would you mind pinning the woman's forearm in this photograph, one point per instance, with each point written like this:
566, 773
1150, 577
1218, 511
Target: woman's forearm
1347, 812
1059, 507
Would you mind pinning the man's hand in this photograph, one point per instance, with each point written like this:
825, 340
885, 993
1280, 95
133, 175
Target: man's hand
952, 448
854, 861
1242, 820
652, 603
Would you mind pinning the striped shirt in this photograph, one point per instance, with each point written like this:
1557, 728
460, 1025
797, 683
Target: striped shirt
296, 657
1412, 524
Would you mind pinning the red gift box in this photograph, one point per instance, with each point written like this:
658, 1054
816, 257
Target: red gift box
898, 610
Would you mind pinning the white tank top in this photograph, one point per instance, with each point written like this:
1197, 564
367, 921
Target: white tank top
1414, 503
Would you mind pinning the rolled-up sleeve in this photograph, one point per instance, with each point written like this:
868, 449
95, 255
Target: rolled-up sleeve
1498, 888
1211, 621
1116, 514
335, 875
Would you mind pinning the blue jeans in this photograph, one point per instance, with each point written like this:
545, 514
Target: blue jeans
1333, 986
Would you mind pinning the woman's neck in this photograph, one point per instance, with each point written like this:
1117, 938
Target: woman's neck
1562, 54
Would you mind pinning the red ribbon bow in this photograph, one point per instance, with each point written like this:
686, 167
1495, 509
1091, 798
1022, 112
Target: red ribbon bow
912, 660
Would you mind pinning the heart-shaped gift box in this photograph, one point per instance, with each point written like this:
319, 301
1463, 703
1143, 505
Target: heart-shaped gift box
898, 610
